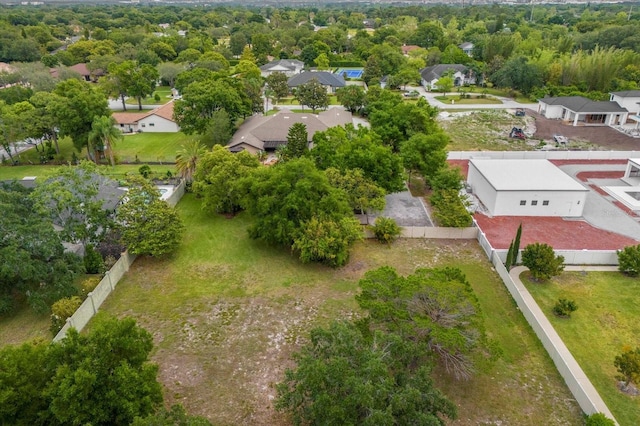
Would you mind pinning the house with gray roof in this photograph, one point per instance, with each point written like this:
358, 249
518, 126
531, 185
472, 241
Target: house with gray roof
261, 133
629, 99
461, 75
580, 111
329, 80
288, 67
467, 48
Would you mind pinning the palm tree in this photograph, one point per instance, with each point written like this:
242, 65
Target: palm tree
104, 134
187, 158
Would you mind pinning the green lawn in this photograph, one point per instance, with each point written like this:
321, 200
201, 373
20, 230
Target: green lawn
226, 312
154, 147
43, 172
147, 147
163, 91
476, 100
333, 100
606, 321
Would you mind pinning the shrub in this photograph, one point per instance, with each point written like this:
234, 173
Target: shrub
450, 210
61, 310
542, 261
598, 419
629, 260
89, 285
564, 308
145, 171
93, 261
386, 230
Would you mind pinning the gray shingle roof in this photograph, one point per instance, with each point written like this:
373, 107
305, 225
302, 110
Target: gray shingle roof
324, 77
290, 64
584, 105
627, 94
434, 72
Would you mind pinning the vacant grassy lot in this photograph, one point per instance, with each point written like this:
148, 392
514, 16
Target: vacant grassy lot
154, 147
43, 172
226, 312
486, 130
475, 100
164, 92
606, 321
146, 147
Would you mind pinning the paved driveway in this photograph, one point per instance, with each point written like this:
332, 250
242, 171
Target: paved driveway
405, 209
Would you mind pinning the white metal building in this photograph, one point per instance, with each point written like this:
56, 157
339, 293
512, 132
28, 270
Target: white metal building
525, 188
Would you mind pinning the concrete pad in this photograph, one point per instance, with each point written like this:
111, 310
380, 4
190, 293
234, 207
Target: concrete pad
405, 209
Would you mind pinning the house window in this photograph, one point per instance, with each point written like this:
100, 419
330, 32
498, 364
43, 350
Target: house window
534, 202
545, 203
143, 125
523, 202
151, 124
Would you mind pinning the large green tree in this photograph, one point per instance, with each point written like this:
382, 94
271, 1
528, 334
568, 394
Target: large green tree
348, 148
284, 199
425, 153
312, 94
75, 108
351, 97
201, 99
217, 177
435, 308
363, 195
346, 377
33, 263
147, 224
297, 142
99, 378
277, 83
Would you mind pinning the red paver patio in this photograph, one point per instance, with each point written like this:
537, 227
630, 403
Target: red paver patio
567, 162
558, 233
585, 176
463, 164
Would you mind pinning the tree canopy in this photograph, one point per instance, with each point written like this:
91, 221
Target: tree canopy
148, 225
33, 263
102, 378
294, 205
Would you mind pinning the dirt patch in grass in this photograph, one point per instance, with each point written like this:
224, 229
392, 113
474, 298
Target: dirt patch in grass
486, 130
228, 313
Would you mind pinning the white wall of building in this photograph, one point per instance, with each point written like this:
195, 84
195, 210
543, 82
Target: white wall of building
550, 111
631, 104
539, 203
525, 203
157, 124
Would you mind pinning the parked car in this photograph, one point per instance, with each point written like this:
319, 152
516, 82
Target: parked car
520, 112
562, 140
411, 94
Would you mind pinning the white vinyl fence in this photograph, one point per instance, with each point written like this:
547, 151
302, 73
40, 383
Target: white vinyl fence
92, 303
546, 155
579, 384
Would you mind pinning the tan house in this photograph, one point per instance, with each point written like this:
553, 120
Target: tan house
260, 133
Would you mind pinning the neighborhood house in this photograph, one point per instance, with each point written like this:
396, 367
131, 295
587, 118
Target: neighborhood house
525, 188
580, 111
159, 120
260, 133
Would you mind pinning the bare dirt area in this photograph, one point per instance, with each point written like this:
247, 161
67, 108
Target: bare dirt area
602, 137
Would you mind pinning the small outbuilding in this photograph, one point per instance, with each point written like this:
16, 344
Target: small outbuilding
525, 188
